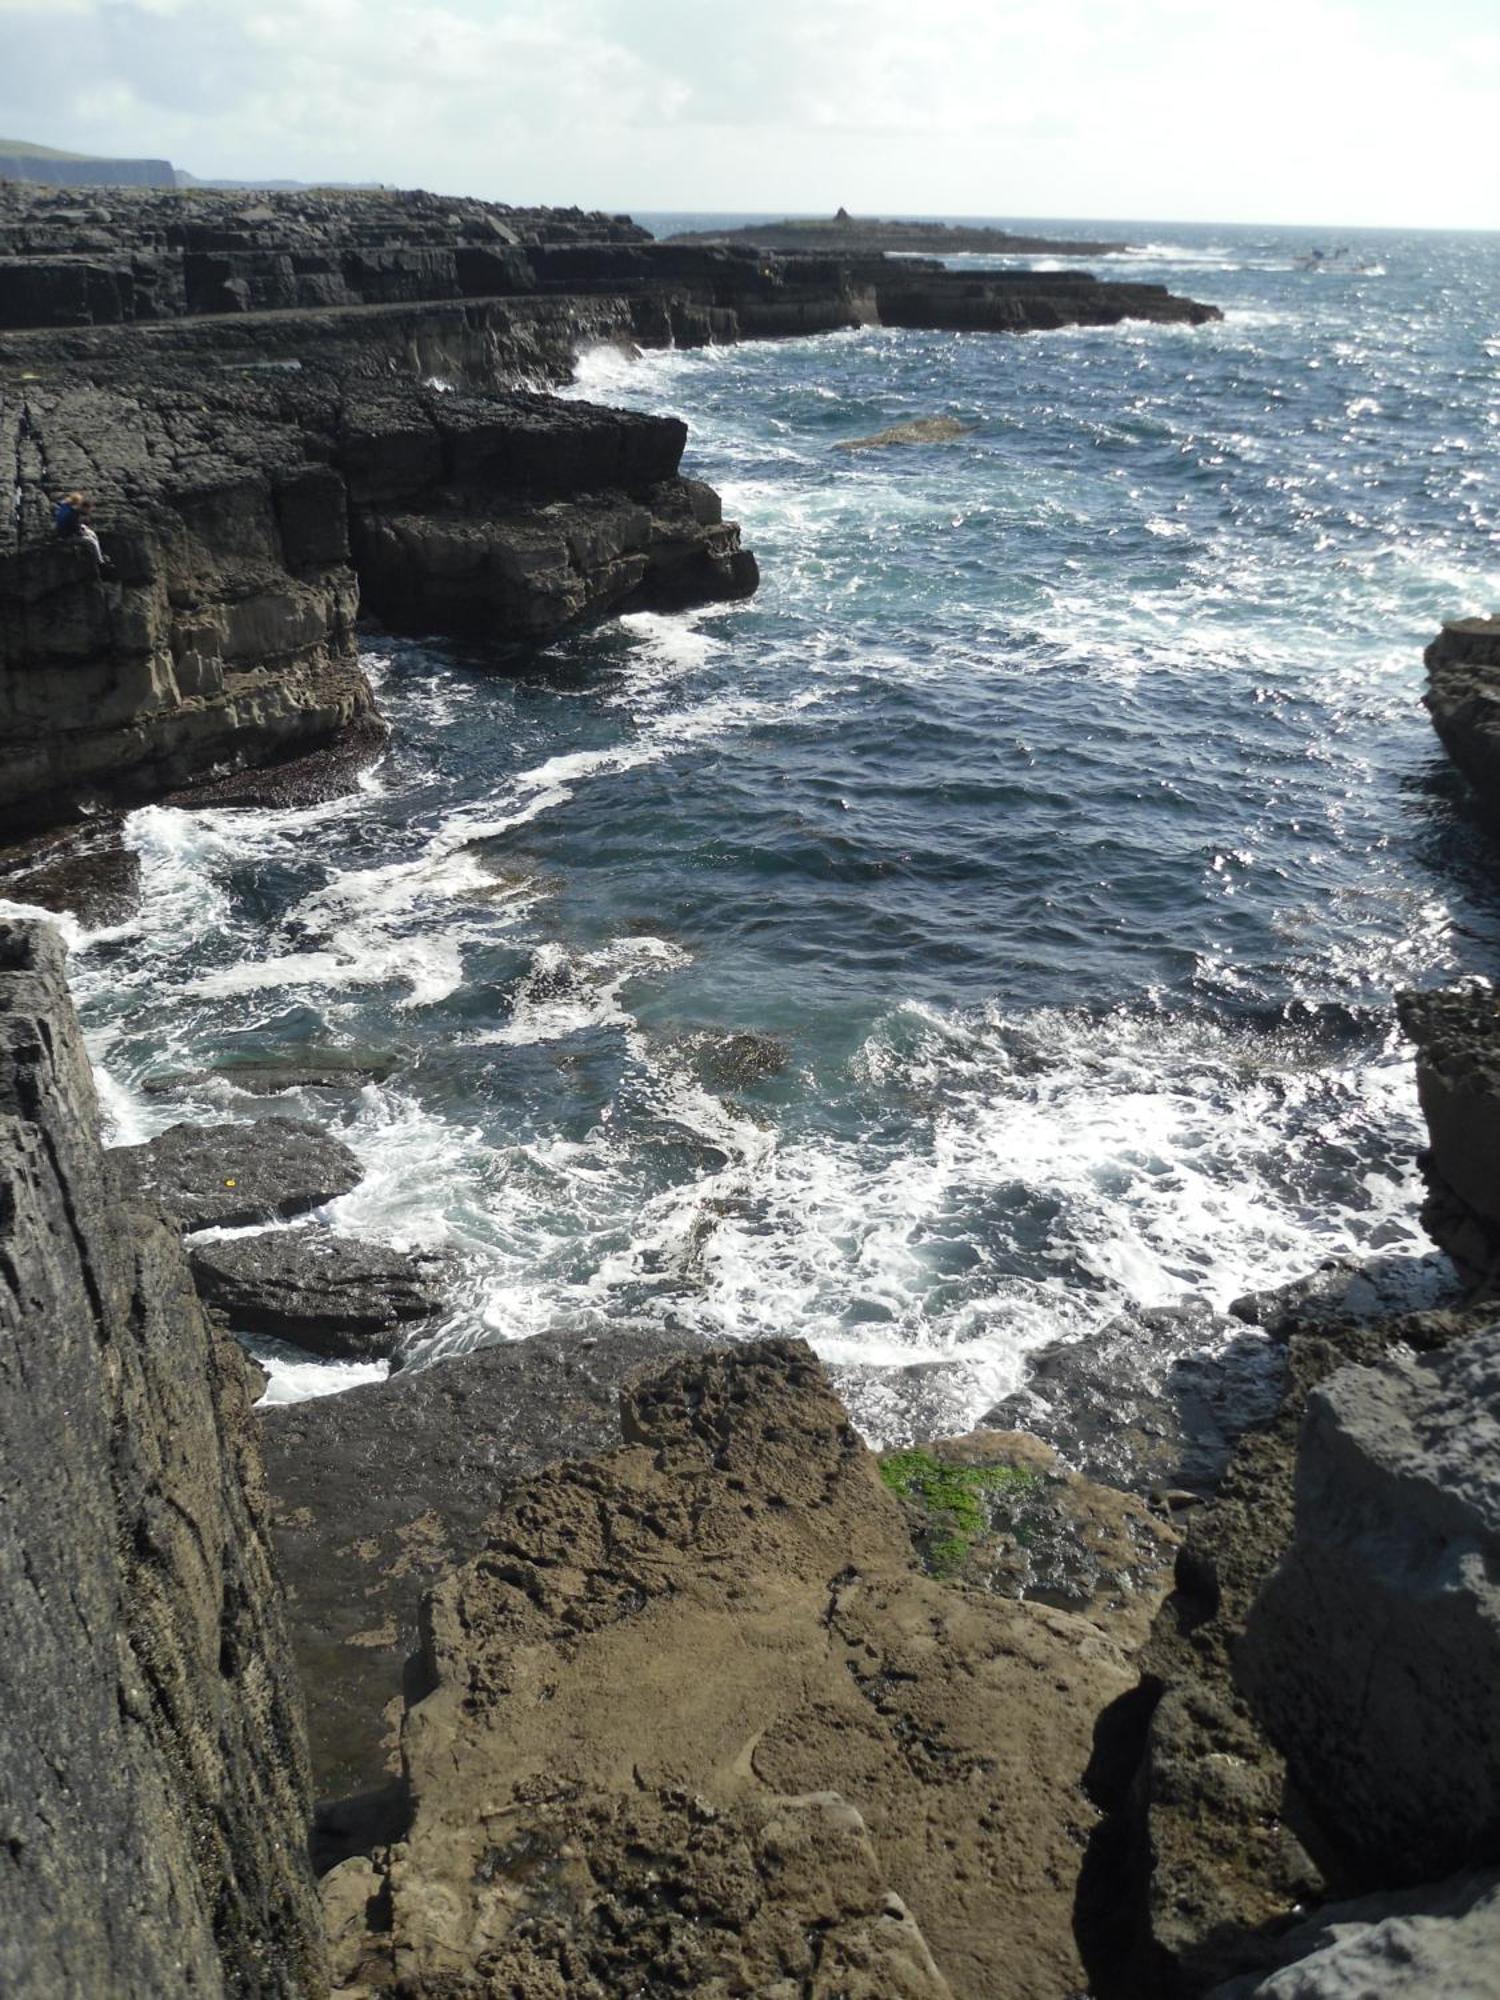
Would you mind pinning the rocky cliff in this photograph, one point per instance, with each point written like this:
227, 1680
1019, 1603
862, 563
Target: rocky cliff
153, 1781
1457, 1037
1463, 699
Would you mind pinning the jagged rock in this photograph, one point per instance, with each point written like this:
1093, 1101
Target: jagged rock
229, 1176
378, 1491
1158, 1397
1226, 1848
726, 1612
1373, 1651
153, 1780
1352, 1288
1457, 1035
1439, 1942
999, 1511
1463, 699
332, 1295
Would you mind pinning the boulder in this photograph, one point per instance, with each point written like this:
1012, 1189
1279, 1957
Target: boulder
333, 1295
631, 1701
1373, 1652
153, 1778
1439, 1942
230, 1176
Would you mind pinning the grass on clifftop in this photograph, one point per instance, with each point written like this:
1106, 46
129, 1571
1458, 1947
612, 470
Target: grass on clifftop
952, 1494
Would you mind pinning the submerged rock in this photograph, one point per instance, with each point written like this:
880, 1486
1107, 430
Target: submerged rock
228, 1176
921, 430
264, 1073
333, 1295
632, 1700
1373, 1651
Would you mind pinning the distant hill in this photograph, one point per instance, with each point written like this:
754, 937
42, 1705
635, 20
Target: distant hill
24, 160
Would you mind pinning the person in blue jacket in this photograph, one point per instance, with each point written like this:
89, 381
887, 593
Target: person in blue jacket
70, 522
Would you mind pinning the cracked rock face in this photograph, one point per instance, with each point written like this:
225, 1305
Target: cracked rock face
153, 1779
1463, 699
719, 1619
1373, 1652
228, 1176
1457, 1034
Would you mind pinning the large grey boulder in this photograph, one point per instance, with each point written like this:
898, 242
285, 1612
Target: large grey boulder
1373, 1652
1439, 1942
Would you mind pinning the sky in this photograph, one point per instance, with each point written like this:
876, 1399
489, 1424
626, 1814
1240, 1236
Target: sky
1374, 112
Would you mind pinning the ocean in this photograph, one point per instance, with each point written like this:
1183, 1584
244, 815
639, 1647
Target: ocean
986, 932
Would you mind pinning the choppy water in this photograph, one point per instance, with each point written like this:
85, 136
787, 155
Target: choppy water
1061, 814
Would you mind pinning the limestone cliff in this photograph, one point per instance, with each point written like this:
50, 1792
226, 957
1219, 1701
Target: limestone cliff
1463, 699
153, 1784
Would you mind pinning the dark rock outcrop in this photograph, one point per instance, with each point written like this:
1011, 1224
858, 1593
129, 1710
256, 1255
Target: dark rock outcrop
868, 236
378, 1491
1457, 1036
153, 1780
1227, 1846
229, 1176
637, 1695
1463, 699
246, 515
1372, 1654
332, 1295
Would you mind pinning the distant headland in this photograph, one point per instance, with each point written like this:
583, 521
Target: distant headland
867, 235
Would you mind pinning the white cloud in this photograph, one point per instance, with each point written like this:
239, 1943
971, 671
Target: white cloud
1317, 110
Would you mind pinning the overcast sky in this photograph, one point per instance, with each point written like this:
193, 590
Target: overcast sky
1316, 111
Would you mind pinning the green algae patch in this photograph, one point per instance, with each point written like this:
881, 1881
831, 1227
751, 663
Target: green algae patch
955, 1498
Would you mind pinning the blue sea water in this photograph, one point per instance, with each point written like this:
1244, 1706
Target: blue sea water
1058, 820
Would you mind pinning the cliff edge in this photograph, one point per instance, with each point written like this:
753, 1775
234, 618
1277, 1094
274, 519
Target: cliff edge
153, 1781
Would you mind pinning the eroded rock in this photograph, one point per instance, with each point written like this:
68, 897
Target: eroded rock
727, 1611
1457, 1034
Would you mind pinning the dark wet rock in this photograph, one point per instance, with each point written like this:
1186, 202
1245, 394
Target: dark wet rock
230, 1176
1457, 1034
660, 1655
88, 872
1463, 699
737, 1061
152, 1770
1351, 1288
921, 430
332, 1295
999, 1511
376, 1492
1157, 1397
1226, 1847
1439, 1942
264, 1073
1372, 1654
292, 783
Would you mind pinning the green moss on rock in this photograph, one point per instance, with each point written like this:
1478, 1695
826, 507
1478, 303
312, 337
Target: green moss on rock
953, 1496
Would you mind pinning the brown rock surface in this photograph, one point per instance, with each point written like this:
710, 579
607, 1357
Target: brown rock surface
659, 1654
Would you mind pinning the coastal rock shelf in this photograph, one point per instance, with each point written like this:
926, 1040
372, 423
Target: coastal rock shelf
1463, 699
246, 516
867, 235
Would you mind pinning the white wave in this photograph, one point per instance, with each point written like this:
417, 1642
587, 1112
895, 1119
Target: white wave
295, 1376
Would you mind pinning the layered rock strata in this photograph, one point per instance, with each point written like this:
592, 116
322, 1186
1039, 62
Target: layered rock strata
153, 1781
865, 235
243, 517
693, 1714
